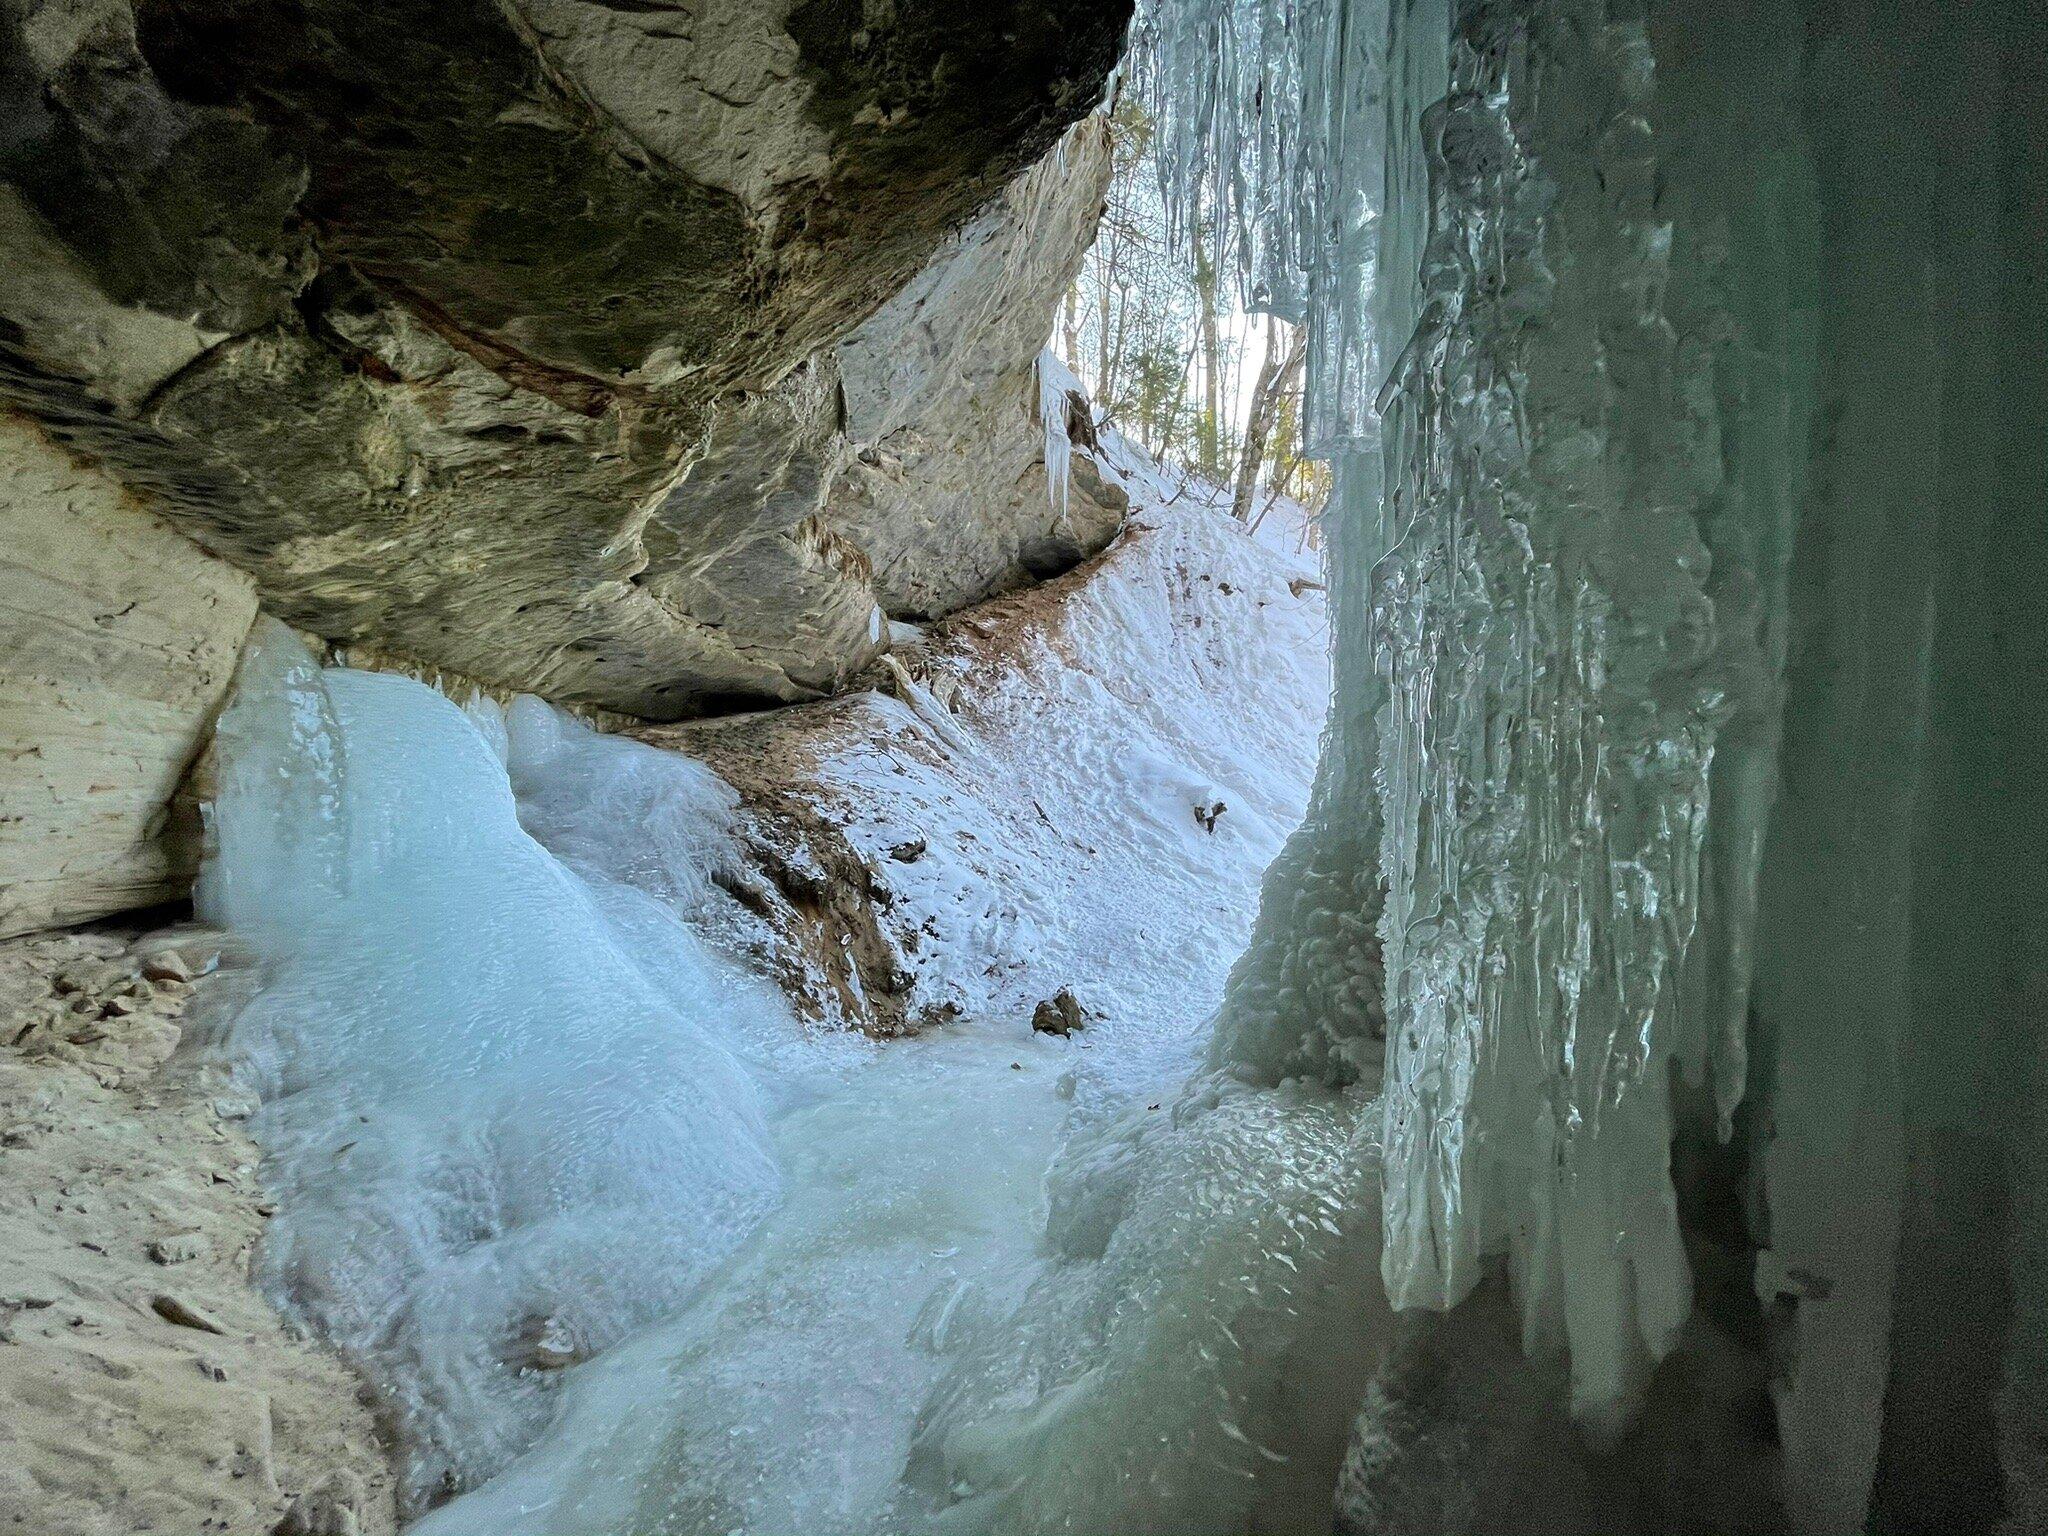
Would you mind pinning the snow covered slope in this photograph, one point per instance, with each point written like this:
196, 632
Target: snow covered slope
1075, 786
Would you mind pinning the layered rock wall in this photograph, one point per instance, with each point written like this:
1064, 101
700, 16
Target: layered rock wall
643, 357
118, 637
500, 335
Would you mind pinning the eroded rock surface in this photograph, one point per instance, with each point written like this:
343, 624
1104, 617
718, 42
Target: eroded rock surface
118, 639
947, 490
513, 337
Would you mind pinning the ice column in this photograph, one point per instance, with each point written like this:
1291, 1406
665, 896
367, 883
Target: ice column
1690, 627
1537, 654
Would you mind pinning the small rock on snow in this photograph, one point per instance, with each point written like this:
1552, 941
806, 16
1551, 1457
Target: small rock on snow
180, 1247
1059, 1014
331, 1507
166, 965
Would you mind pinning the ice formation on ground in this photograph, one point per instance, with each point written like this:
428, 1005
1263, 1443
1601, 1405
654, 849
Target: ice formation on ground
476, 1070
1192, 1357
487, 1174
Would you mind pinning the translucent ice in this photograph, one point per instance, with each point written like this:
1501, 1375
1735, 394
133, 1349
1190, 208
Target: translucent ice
1191, 1358
1054, 380
1683, 363
1532, 671
476, 1070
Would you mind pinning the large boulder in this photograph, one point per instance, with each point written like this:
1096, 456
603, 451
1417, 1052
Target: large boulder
526, 338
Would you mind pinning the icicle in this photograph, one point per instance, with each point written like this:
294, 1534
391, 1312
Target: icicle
1053, 383
1539, 669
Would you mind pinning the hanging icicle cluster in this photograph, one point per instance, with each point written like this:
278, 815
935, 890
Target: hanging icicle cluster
1529, 467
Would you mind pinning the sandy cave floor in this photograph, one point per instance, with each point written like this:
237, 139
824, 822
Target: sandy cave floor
145, 1383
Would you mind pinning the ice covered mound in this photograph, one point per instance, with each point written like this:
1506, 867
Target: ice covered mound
1191, 1358
499, 1123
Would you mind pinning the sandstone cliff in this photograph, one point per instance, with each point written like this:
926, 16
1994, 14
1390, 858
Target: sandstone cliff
118, 638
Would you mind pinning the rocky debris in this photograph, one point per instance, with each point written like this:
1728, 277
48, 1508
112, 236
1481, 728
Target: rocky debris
825, 907
1206, 816
167, 966
179, 1248
115, 1417
1061, 1014
100, 1007
331, 1507
873, 830
545, 1345
174, 1309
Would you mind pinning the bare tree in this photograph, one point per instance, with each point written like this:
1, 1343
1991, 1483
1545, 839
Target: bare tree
1209, 429
1279, 375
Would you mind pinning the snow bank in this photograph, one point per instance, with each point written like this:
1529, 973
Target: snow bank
1124, 752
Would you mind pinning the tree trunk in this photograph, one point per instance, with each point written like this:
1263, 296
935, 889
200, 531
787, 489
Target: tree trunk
1277, 375
1208, 439
1105, 275
1180, 391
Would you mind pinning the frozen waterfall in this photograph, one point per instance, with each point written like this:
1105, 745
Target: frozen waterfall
1683, 363
475, 1069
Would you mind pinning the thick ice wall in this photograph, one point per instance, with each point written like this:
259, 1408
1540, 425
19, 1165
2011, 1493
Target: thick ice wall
500, 1123
1750, 412
1705, 594
1899, 1004
1557, 677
